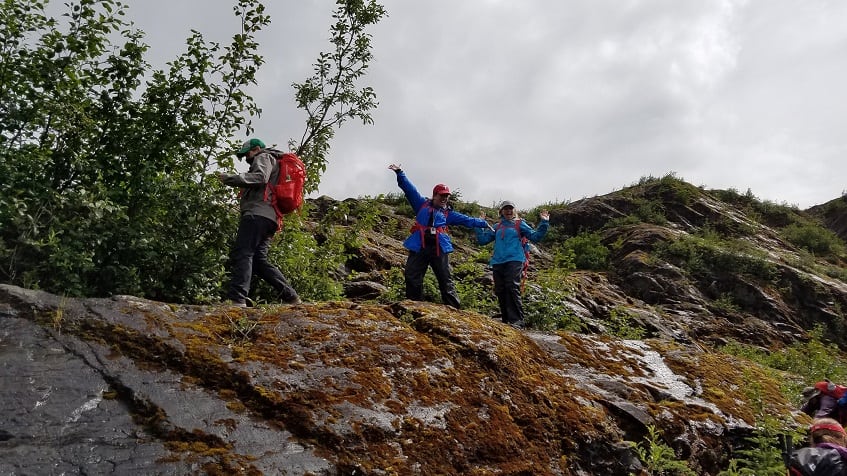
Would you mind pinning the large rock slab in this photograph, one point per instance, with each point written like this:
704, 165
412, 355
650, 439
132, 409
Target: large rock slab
129, 386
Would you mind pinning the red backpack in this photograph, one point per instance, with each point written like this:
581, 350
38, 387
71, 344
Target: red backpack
287, 192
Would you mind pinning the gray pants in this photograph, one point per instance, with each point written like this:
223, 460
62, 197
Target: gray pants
507, 287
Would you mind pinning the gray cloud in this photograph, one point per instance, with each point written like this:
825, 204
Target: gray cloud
543, 100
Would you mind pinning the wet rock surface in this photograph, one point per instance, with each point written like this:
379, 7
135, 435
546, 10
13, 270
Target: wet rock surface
81, 406
128, 386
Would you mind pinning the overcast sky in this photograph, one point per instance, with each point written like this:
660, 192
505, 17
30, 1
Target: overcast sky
540, 101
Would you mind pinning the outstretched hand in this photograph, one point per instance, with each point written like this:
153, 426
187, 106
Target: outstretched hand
394, 167
482, 215
545, 215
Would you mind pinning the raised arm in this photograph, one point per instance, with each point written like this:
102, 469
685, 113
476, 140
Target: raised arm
412, 195
537, 234
258, 174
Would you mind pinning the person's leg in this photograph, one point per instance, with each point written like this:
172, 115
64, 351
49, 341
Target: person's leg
416, 265
441, 267
512, 291
267, 271
241, 271
500, 290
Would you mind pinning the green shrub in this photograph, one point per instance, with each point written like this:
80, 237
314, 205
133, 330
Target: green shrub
658, 458
311, 267
813, 238
648, 211
623, 325
545, 303
835, 207
622, 222
396, 284
564, 258
773, 214
473, 294
556, 235
761, 453
812, 360
704, 257
533, 215
837, 273
394, 199
677, 190
726, 303
585, 251
404, 209
395, 281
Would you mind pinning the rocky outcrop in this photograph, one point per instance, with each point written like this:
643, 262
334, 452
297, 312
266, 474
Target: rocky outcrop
374, 386
124, 385
773, 300
833, 214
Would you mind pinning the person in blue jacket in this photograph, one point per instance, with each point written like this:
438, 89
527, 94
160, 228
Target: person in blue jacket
508, 262
429, 244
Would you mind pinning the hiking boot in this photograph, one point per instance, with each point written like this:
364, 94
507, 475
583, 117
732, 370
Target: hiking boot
295, 300
235, 303
518, 324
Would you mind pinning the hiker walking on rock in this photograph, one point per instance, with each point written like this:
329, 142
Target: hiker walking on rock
257, 226
429, 244
510, 259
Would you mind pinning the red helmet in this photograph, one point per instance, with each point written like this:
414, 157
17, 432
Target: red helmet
440, 189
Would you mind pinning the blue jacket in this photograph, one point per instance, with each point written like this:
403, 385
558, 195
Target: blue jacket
507, 240
442, 217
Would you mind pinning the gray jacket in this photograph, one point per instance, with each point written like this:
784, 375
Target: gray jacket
263, 170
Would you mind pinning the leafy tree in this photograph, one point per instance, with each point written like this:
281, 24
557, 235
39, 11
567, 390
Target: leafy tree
106, 192
105, 162
330, 96
311, 254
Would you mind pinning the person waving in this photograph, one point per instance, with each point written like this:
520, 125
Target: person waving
510, 259
429, 243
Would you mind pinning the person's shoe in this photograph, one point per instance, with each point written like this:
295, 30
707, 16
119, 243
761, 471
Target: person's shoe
518, 324
296, 300
232, 303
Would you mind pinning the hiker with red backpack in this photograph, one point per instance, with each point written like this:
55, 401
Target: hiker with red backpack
827, 455
260, 220
429, 243
825, 400
510, 260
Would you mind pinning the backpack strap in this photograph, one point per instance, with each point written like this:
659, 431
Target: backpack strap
276, 154
418, 227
